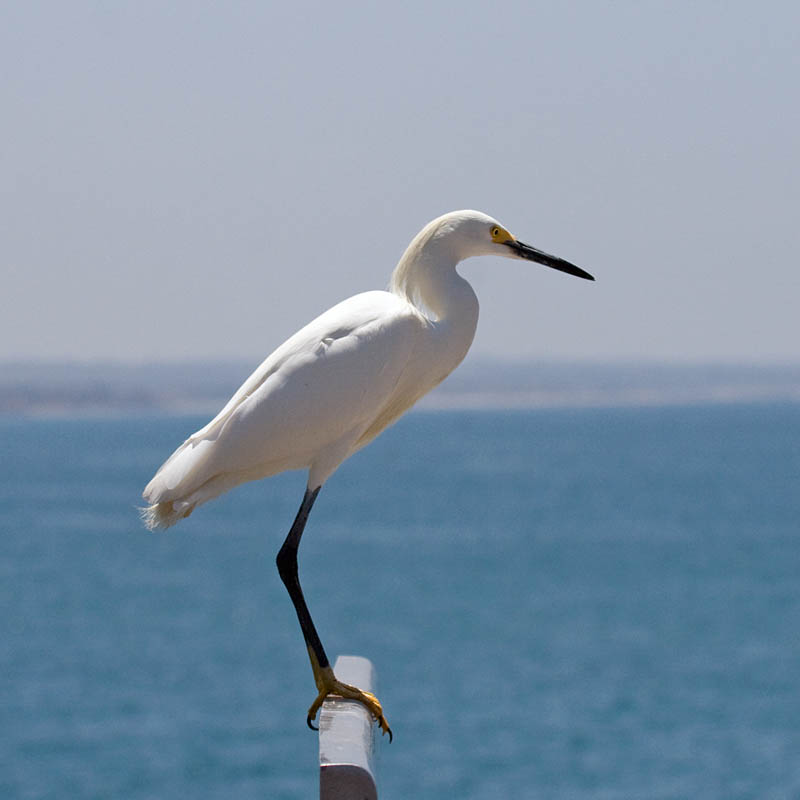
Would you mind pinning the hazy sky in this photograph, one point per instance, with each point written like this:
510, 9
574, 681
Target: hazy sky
197, 179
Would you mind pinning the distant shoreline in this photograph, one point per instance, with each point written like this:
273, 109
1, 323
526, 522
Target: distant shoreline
64, 389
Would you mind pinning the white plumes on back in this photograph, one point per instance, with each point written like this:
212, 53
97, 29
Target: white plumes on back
307, 405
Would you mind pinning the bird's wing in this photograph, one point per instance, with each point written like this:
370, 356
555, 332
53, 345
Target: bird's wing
326, 382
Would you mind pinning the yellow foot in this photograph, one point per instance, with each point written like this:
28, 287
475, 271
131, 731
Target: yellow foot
329, 685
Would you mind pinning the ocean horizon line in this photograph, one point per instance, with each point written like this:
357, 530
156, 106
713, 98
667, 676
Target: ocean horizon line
116, 388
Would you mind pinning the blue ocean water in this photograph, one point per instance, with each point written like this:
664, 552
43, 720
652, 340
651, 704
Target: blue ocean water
559, 604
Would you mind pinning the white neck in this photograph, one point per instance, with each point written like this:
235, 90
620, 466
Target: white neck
426, 276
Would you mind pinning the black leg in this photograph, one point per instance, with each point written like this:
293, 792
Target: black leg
287, 567
323, 674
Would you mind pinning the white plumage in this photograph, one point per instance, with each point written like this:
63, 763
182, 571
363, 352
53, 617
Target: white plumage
340, 380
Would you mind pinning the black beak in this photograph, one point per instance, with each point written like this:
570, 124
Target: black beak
532, 254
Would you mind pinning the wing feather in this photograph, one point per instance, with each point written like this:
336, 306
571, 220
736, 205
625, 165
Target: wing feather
327, 382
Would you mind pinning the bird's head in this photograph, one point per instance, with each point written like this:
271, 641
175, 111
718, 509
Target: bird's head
473, 233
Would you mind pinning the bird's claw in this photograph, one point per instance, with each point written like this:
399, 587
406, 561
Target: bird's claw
384, 725
347, 692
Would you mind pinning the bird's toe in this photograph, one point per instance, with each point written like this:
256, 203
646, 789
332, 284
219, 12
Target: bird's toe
343, 690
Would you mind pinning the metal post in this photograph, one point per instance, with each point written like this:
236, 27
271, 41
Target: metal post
347, 738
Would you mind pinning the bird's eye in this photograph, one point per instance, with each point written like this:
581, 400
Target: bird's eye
495, 231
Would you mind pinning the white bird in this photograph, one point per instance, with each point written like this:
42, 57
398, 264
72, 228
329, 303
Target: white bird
333, 387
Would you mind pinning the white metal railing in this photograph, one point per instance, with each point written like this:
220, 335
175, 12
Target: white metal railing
347, 738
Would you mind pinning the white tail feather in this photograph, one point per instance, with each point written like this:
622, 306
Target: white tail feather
163, 515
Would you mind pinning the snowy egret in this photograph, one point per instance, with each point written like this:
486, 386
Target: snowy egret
333, 387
